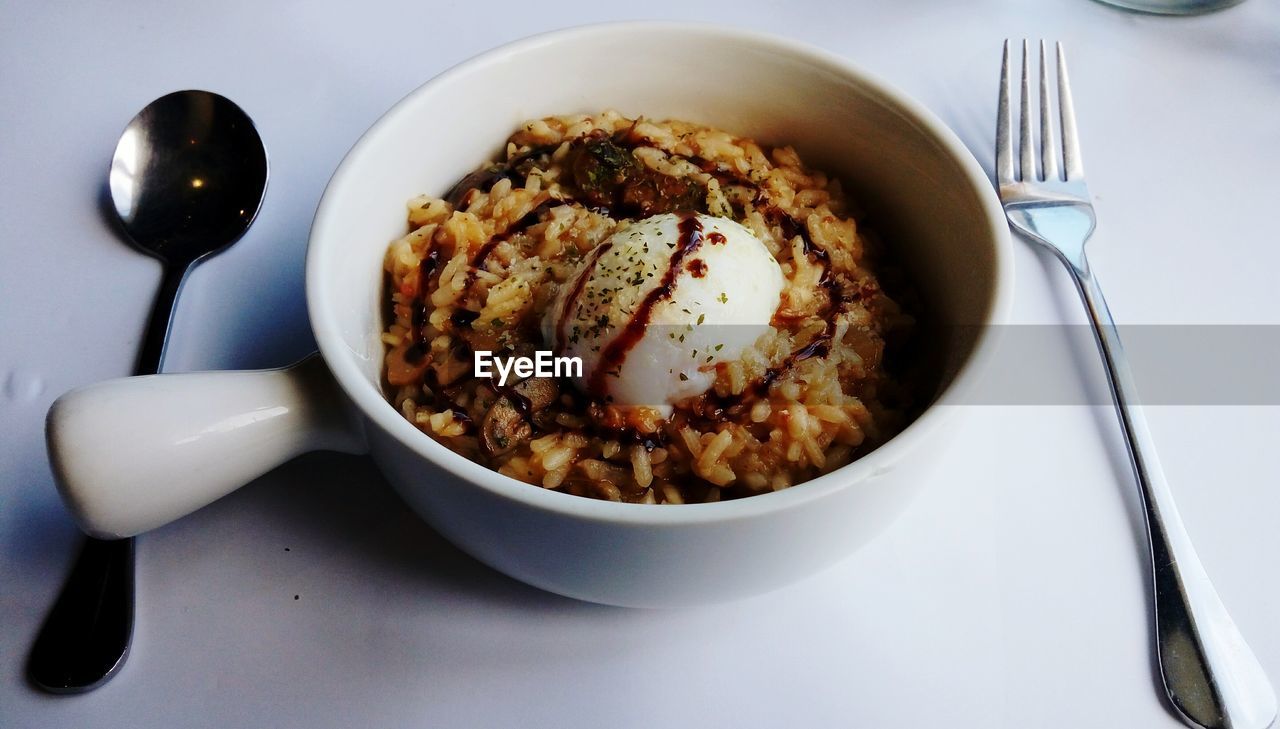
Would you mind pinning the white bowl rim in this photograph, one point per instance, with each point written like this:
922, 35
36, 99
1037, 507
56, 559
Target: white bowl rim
370, 401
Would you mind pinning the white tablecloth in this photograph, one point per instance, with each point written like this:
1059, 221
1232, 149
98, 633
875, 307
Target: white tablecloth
1013, 593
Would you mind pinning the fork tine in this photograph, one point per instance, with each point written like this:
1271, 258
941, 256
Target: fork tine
1004, 144
1025, 146
1071, 162
1048, 149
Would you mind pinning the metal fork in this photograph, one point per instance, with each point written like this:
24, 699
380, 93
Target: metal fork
1209, 674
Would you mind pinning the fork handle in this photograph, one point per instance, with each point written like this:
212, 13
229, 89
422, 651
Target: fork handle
1209, 673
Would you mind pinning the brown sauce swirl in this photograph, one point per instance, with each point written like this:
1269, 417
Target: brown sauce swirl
570, 301
464, 317
418, 318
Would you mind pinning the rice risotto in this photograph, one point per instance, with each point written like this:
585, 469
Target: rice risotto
481, 268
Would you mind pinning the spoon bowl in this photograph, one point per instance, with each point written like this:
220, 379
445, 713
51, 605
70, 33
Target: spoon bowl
188, 176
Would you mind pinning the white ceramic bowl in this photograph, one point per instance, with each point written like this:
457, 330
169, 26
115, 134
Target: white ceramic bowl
928, 196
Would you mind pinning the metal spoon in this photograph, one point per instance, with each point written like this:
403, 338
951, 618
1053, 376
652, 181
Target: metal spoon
186, 181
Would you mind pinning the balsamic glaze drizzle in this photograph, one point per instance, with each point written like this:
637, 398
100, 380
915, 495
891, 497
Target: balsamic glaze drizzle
419, 315
570, 302
615, 353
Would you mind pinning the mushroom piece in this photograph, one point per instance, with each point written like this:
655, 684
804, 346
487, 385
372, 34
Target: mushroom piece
608, 175
481, 179
403, 369
511, 419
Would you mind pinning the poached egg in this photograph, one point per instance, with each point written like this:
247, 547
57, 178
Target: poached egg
654, 308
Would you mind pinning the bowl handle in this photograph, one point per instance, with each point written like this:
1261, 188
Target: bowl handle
136, 453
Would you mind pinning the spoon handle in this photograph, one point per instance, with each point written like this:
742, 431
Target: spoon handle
161, 320
86, 636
